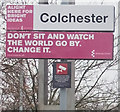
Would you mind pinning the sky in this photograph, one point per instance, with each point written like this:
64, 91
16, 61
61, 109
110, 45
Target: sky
96, 0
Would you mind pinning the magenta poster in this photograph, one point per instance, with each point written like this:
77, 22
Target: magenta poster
19, 17
59, 45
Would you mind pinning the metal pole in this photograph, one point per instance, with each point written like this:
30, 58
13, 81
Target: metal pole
63, 96
2, 2
43, 2
21, 87
63, 99
68, 2
65, 93
42, 77
119, 56
21, 92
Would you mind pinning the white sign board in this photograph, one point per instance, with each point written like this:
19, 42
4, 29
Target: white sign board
61, 17
74, 17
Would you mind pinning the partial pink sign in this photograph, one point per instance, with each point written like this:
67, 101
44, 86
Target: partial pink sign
19, 17
59, 45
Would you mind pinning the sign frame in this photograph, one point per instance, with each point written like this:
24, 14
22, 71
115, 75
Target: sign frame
82, 18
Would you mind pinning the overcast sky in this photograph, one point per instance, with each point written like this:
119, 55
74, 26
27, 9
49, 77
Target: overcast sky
97, 1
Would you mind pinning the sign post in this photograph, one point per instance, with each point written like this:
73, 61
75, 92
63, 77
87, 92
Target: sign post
62, 80
42, 78
119, 56
64, 93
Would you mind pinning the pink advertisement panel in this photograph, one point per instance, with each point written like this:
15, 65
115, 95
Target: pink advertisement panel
59, 45
19, 17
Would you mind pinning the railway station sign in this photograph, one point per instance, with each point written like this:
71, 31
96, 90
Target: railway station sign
55, 18
59, 45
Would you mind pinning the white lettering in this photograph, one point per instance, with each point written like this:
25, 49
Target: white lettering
15, 42
24, 49
61, 43
80, 36
38, 43
38, 36
56, 36
19, 35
